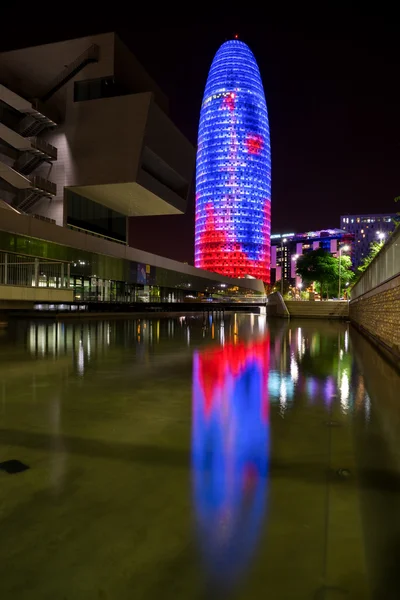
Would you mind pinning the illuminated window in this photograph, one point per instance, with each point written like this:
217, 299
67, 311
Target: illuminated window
362, 231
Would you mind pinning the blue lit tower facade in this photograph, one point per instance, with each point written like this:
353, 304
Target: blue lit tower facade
233, 168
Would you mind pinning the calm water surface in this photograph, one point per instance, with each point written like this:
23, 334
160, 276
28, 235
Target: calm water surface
191, 458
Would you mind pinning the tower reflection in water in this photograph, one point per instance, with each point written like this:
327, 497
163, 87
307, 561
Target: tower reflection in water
230, 452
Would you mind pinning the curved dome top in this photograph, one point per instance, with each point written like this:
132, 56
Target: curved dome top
234, 66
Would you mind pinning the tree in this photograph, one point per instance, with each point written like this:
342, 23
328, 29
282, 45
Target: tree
375, 247
346, 275
277, 286
318, 266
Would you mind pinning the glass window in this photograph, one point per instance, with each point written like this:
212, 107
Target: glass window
92, 89
87, 215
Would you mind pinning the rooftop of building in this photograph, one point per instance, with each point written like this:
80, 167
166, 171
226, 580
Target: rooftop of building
369, 215
320, 233
32, 70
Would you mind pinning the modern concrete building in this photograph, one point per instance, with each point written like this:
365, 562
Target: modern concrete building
367, 229
287, 247
86, 143
95, 130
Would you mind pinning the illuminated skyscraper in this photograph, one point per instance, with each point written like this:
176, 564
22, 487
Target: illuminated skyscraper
233, 169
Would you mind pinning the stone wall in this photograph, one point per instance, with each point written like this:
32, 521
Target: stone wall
377, 313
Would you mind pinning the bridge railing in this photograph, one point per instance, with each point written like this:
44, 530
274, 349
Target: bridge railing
385, 266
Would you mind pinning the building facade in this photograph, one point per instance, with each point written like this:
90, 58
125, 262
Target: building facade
367, 229
286, 249
85, 144
233, 168
86, 139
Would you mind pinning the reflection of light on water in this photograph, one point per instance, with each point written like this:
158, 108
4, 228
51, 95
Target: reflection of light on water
294, 369
235, 328
311, 387
222, 334
344, 391
280, 386
282, 398
367, 407
360, 393
299, 339
262, 321
274, 382
230, 439
188, 336
81, 358
346, 340
329, 390
341, 354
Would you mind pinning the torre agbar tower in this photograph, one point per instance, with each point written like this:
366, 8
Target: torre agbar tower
233, 169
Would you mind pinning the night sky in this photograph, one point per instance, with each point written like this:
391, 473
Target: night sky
333, 97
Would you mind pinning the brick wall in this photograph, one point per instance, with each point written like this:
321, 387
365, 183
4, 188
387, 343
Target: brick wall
378, 313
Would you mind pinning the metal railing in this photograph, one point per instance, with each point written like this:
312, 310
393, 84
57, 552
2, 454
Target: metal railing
42, 184
43, 146
98, 235
385, 266
26, 271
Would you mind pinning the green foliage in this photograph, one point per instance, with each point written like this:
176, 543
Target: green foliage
321, 267
374, 248
346, 275
317, 266
277, 286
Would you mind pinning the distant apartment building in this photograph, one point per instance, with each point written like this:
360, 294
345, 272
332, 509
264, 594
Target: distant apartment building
287, 247
367, 229
86, 143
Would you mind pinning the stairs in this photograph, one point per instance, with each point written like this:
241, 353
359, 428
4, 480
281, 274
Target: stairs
39, 152
318, 309
89, 56
40, 187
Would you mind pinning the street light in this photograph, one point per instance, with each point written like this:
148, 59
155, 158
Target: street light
381, 235
345, 249
284, 240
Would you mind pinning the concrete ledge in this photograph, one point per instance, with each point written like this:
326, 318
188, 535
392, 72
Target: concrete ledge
276, 306
306, 309
11, 294
389, 284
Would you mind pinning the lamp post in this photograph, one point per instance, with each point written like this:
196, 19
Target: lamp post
381, 235
284, 240
294, 259
345, 248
